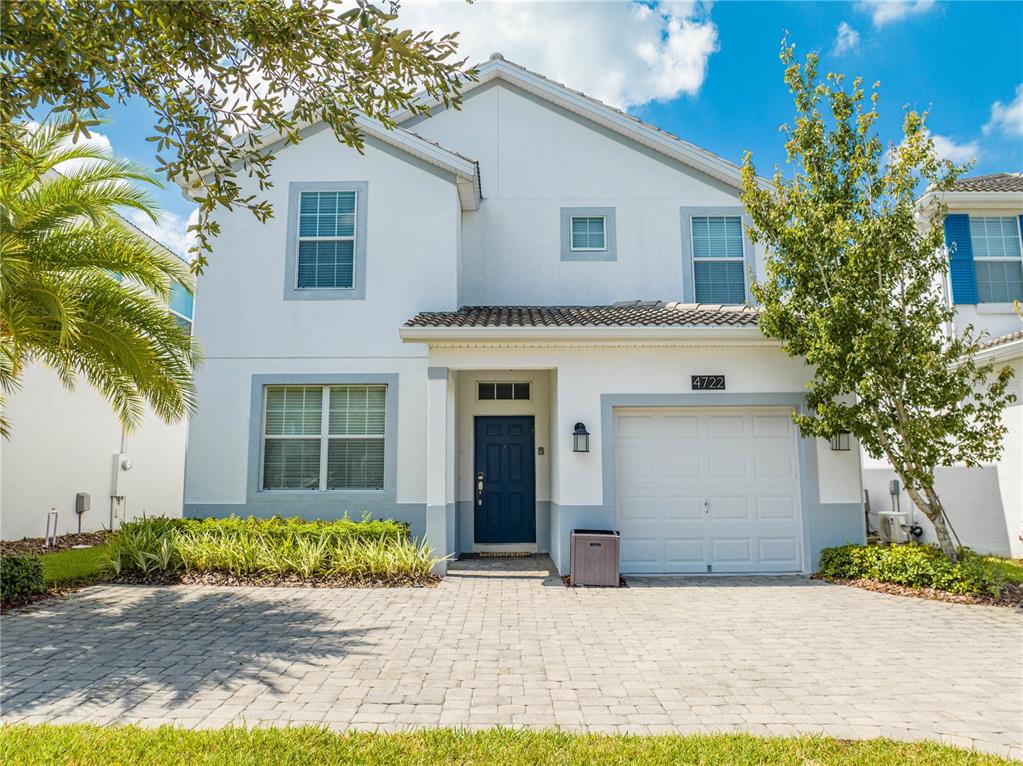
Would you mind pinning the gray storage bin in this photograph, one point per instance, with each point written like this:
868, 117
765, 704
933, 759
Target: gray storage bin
595, 557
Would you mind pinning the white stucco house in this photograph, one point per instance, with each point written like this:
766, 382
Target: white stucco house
425, 331
982, 236
65, 443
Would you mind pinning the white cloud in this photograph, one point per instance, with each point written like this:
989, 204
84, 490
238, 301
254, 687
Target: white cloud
171, 231
847, 39
623, 53
886, 11
1007, 118
947, 149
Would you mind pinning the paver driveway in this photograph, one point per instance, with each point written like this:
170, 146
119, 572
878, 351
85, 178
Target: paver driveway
504, 642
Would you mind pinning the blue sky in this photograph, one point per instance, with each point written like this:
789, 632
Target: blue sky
710, 73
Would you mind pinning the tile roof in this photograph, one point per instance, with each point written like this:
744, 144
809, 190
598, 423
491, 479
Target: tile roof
625, 314
996, 182
1001, 340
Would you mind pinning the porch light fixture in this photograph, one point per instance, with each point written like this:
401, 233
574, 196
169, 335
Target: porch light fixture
580, 438
840, 442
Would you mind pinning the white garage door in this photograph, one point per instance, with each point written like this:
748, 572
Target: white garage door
708, 490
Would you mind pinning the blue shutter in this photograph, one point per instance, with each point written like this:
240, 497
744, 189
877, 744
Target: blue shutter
960, 267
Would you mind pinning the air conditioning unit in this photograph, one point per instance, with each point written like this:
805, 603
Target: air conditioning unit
894, 526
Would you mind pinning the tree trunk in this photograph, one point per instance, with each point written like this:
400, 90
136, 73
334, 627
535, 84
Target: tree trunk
934, 511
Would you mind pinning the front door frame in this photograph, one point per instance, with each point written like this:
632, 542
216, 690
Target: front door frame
510, 545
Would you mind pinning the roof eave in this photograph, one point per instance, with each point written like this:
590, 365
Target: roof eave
660, 332
958, 200
1003, 352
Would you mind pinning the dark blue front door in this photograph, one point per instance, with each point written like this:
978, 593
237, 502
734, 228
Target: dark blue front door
504, 489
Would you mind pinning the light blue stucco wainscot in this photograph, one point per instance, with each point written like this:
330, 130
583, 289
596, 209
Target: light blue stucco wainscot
314, 504
824, 524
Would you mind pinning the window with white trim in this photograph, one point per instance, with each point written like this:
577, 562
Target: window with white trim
718, 259
588, 233
997, 258
322, 438
326, 239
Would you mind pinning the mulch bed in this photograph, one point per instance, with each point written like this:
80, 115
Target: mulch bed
273, 581
1012, 595
36, 545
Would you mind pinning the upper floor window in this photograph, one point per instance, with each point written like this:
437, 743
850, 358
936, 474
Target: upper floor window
326, 239
997, 258
718, 259
589, 233
324, 437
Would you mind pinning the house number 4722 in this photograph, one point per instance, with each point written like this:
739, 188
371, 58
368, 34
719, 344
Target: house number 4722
708, 382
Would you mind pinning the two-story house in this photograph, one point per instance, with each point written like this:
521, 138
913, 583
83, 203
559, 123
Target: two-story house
985, 278
502, 323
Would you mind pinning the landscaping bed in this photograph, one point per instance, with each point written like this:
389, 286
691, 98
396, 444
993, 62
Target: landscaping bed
37, 545
167, 746
923, 571
274, 552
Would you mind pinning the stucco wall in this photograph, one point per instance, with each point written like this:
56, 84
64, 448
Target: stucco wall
63, 442
534, 160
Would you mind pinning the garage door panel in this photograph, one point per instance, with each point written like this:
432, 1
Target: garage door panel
724, 508
685, 551
639, 508
721, 465
778, 550
681, 508
731, 550
725, 426
774, 466
776, 508
742, 461
640, 551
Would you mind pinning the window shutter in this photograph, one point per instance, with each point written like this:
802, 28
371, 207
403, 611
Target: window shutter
961, 273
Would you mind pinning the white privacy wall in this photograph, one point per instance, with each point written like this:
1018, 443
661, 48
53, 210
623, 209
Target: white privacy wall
63, 442
534, 160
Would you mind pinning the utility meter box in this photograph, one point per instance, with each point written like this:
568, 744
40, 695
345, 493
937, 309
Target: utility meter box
82, 502
119, 483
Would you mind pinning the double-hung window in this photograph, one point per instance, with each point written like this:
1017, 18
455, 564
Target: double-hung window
997, 258
326, 239
718, 259
589, 233
324, 437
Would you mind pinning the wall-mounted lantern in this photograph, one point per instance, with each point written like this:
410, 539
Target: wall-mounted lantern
580, 438
840, 442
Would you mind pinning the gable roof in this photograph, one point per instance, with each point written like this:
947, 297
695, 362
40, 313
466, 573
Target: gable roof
995, 182
668, 144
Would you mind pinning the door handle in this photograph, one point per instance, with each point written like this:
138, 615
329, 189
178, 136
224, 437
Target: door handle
479, 489
706, 505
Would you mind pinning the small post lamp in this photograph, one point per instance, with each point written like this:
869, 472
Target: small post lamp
580, 438
840, 442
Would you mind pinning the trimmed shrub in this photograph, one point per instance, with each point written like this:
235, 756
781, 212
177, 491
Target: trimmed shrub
20, 577
913, 565
377, 549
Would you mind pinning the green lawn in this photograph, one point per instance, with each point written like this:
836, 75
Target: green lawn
132, 746
74, 566
1011, 569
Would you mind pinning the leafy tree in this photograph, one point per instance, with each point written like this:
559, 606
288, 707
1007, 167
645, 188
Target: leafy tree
218, 73
854, 271
81, 290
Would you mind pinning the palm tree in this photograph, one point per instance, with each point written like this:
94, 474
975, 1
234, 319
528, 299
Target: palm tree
81, 291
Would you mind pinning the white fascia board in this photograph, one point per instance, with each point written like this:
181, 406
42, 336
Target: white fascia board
1003, 352
965, 200
501, 334
464, 170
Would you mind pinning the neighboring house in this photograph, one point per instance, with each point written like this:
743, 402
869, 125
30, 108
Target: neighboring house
422, 328
982, 234
68, 442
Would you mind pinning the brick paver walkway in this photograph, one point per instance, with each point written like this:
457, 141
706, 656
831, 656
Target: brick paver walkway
504, 642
